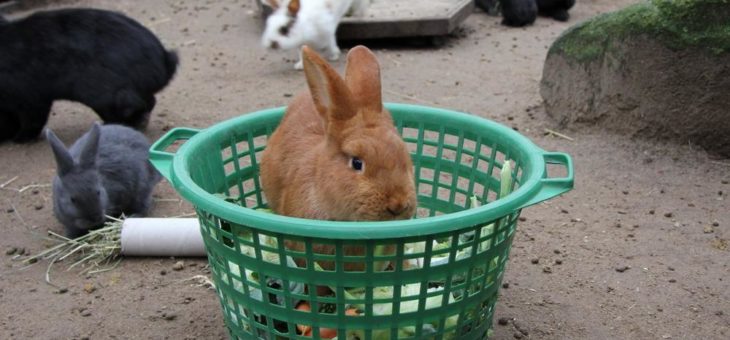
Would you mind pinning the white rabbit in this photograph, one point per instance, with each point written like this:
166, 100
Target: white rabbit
295, 23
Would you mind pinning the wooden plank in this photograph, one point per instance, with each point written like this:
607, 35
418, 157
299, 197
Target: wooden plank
403, 18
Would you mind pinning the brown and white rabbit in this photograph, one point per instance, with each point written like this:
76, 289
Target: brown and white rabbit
295, 23
336, 154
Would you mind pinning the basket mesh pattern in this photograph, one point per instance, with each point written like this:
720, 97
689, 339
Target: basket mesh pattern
433, 286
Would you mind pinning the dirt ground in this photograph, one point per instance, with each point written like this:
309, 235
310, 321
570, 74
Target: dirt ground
638, 250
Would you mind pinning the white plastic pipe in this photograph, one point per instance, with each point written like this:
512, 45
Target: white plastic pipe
162, 237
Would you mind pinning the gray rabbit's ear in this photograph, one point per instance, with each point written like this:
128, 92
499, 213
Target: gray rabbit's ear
64, 161
87, 159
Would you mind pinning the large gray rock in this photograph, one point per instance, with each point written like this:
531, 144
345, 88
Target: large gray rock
657, 69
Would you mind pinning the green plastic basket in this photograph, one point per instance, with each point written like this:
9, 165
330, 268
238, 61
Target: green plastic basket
444, 275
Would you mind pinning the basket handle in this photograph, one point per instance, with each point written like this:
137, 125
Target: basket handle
551, 187
161, 159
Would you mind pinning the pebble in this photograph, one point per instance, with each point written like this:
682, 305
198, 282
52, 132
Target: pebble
518, 335
62, 291
38, 206
503, 321
169, 316
715, 224
672, 280
535, 261
558, 261
651, 212
523, 219
89, 288
178, 266
85, 312
505, 285
11, 251
622, 269
163, 272
668, 215
547, 270
556, 251
520, 327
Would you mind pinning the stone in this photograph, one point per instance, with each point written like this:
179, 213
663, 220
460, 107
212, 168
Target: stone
619, 72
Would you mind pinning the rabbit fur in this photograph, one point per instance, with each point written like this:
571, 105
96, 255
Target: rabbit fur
99, 58
557, 9
336, 154
106, 172
295, 23
518, 13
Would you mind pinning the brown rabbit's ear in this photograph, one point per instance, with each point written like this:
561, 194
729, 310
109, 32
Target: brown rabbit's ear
329, 92
362, 75
293, 7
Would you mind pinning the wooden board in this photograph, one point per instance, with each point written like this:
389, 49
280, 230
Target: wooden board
403, 18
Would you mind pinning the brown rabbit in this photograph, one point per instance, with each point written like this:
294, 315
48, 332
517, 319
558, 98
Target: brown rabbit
336, 154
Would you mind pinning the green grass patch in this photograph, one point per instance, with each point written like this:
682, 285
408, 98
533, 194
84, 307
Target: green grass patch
678, 24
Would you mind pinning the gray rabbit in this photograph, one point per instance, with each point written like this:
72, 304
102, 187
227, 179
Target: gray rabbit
105, 172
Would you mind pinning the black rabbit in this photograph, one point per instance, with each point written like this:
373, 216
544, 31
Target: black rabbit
517, 13
557, 9
102, 59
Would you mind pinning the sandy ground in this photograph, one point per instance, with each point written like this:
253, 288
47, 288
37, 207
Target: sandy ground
637, 251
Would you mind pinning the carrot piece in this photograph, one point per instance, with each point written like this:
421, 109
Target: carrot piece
304, 306
327, 333
324, 333
304, 329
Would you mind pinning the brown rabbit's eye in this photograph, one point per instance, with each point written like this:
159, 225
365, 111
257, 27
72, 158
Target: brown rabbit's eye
357, 164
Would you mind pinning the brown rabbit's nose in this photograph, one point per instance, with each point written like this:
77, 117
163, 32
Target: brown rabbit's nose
397, 207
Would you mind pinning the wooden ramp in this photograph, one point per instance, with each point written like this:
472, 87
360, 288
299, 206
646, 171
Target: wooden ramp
402, 18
